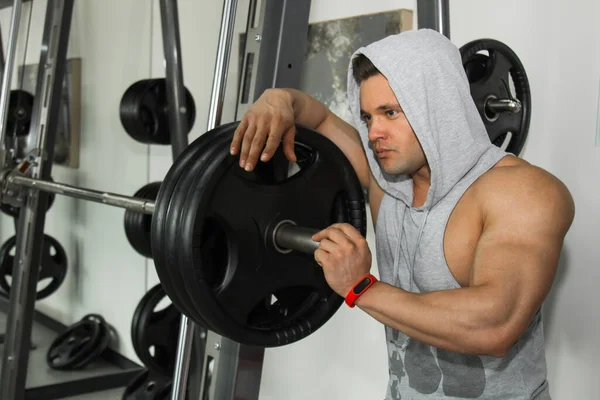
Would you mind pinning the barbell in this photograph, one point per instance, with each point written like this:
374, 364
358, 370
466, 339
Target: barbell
232, 248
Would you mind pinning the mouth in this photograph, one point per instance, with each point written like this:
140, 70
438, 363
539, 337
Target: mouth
382, 153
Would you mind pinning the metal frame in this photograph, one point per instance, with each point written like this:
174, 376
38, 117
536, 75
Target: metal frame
32, 216
434, 14
276, 37
30, 226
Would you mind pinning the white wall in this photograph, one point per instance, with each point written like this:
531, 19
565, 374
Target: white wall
120, 42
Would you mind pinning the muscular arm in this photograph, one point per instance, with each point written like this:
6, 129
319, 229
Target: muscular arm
515, 260
267, 121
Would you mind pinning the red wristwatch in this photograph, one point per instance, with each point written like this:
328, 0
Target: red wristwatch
359, 289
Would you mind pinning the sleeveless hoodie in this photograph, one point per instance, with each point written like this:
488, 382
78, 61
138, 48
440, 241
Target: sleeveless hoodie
425, 72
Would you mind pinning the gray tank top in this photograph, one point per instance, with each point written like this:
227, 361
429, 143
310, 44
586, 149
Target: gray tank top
410, 254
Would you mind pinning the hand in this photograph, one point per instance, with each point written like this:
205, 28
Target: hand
269, 119
344, 255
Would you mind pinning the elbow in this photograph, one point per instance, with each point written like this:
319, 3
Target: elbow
497, 342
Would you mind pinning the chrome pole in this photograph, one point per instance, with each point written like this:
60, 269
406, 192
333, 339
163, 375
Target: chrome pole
9, 66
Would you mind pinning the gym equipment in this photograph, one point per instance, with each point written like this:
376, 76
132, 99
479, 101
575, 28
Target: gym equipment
137, 225
148, 385
81, 344
221, 237
217, 240
143, 111
154, 333
20, 106
54, 266
490, 66
13, 211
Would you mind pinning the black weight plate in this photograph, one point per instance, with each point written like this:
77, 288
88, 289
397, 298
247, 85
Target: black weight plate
54, 266
231, 271
20, 107
14, 211
101, 345
173, 285
75, 344
157, 331
143, 111
137, 225
204, 153
489, 77
148, 385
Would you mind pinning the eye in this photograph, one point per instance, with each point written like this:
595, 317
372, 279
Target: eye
365, 118
392, 113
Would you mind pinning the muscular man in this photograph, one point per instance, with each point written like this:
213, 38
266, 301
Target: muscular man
468, 237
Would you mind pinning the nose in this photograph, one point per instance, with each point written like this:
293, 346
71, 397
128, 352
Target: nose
376, 130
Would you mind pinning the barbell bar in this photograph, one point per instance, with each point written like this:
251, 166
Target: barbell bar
287, 236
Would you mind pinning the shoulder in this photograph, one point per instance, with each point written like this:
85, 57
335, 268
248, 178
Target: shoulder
517, 190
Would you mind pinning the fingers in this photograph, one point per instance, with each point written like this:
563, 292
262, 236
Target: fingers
339, 231
288, 144
278, 127
238, 135
333, 234
256, 145
256, 138
246, 143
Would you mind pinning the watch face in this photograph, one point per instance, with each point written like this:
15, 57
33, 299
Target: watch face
362, 285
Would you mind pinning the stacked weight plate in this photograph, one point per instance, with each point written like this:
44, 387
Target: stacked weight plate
211, 233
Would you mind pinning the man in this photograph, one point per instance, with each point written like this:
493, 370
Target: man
468, 236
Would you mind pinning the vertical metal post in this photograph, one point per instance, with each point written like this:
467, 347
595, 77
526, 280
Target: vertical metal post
222, 64
434, 14
1, 55
214, 119
32, 216
7, 74
274, 51
179, 127
177, 108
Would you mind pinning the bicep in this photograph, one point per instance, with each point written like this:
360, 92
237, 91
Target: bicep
348, 140
518, 253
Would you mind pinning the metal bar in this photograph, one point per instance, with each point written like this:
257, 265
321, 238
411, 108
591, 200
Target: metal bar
434, 14
176, 101
127, 202
7, 74
1, 54
288, 236
184, 356
32, 217
215, 110
178, 122
510, 105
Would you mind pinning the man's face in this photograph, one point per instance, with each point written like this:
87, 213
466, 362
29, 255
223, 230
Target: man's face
392, 139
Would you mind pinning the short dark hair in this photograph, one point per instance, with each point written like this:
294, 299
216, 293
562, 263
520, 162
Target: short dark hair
363, 68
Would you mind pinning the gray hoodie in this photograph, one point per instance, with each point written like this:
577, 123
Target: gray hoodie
425, 71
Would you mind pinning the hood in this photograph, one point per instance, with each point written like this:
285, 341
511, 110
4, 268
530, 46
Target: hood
425, 71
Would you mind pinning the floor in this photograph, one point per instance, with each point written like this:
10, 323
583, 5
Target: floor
39, 374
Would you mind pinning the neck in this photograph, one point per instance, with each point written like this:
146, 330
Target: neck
421, 184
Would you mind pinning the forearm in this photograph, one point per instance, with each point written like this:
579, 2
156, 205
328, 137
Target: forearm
461, 320
308, 111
